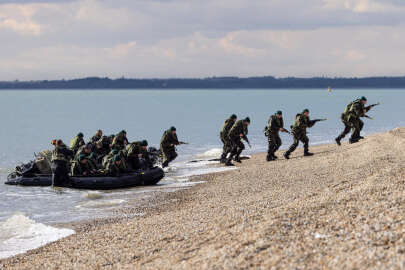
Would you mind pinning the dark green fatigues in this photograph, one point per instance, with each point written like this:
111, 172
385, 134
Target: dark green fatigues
351, 119
113, 169
226, 127
238, 129
299, 130
76, 143
120, 141
168, 151
134, 162
273, 129
61, 156
79, 169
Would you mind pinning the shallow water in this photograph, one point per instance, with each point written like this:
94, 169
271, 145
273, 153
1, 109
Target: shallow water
31, 119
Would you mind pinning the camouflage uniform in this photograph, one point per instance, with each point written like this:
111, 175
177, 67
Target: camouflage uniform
120, 141
132, 152
273, 129
351, 119
226, 127
113, 169
299, 130
236, 140
95, 138
167, 149
80, 169
61, 156
76, 143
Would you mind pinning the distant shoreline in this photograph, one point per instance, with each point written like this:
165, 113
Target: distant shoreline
267, 82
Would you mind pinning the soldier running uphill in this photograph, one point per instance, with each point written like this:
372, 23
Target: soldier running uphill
351, 119
238, 132
299, 130
274, 126
226, 127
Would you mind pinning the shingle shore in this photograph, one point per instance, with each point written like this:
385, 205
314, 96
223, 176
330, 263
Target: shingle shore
340, 209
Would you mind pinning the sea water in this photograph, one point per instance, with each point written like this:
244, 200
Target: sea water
30, 119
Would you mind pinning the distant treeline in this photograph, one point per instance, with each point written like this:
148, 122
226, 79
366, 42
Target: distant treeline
267, 82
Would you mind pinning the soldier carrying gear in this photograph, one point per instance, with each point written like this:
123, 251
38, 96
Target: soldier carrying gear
96, 136
61, 156
167, 146
77, 142
82, 167
275, 125
120, 140
299, 130
114, 166
226, 127
351, 119
137, 155
238, 132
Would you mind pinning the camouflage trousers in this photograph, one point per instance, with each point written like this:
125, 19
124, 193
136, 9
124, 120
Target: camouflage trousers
237, 147
169, 155
354, 124
297, 138
274, 143
227, 148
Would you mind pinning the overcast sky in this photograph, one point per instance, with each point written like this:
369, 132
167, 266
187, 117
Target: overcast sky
199, 38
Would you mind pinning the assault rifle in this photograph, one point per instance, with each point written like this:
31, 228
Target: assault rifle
180, 143
313, 122
371, 106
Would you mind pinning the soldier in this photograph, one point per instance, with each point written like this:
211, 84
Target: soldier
275, 124
224, 136
238, 132
120, 140
299, 130
114, 166
351, 119
167, 146
108, 157
61, 156
96, 136
76, 142
85, 149
137, 155
81, 167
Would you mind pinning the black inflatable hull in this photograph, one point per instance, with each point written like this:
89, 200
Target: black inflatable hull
145, 178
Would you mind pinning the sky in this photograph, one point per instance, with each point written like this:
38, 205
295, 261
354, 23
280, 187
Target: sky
62, 39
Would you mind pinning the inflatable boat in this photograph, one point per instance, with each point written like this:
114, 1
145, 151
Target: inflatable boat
139, 178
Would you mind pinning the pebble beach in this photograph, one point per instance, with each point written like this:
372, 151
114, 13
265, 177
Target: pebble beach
343, 208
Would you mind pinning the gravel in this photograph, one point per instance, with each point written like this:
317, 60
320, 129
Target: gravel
340, 209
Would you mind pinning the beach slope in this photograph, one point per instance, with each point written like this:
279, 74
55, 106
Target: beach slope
342, 208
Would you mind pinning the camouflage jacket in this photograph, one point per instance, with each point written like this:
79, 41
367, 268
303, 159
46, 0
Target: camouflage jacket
354, 109
226, 127
275, 124
95, 138
62, 153
75, 143
168, 138
301, 124
119, 141
79, 169
113, 169
237, 129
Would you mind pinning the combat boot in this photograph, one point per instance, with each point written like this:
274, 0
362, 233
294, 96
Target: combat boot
228, 162
274, 156
308, 154
338, 141
287, 155
269, 158
165, 164
237, 159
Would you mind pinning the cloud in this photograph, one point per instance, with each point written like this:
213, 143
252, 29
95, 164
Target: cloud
161, 38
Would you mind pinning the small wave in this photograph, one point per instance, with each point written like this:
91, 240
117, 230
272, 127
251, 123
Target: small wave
101, 203
214, 152
19, 234
93, 195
